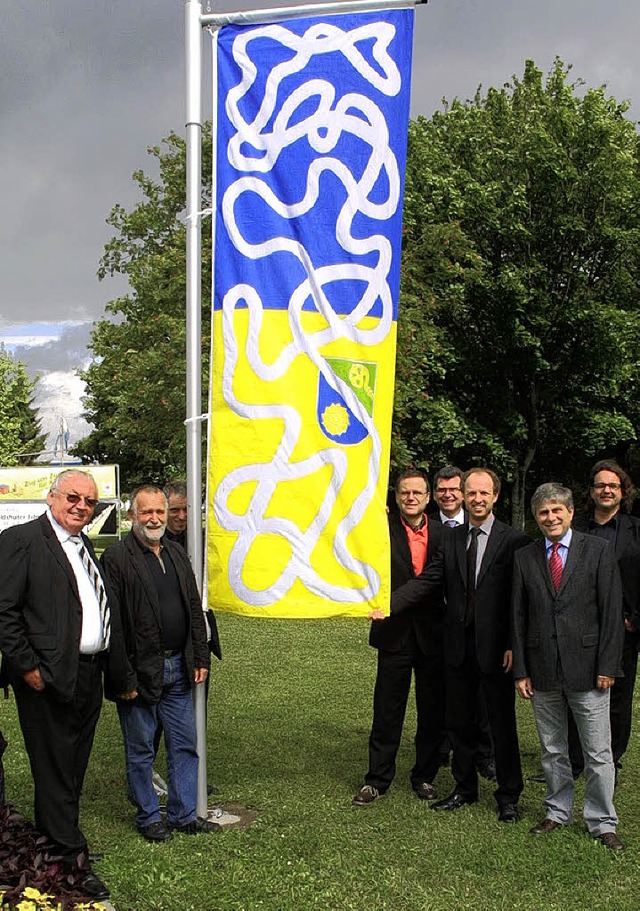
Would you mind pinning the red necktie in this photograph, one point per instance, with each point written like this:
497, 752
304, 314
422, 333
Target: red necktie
555, 566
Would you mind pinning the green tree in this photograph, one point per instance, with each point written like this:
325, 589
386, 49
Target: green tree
136, 384
518, 335
518, 340
21, 440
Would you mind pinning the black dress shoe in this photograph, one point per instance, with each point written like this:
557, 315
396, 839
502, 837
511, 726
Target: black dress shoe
95, 858
93, 887
453, 802
198, 826
509, 812
155, 831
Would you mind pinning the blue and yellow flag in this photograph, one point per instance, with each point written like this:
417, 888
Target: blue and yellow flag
311, 139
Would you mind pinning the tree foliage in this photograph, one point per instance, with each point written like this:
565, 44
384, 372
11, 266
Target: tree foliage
136, 384
518, 340
518, 336
21, 440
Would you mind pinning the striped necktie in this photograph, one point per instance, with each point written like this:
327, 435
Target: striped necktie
555, 566
98, 586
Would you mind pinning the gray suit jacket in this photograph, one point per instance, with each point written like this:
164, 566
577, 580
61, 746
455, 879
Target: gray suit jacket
579, 630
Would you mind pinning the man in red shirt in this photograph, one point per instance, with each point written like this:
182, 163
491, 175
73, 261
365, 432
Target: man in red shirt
408, 645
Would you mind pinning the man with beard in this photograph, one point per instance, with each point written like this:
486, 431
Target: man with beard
152, 583
608, 516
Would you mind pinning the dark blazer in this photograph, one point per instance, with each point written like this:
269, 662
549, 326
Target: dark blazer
492, 600
40, 609
394, 633
581, 626
627, 549
133, 592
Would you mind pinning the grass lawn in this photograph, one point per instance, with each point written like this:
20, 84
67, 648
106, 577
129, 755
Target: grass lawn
289, 717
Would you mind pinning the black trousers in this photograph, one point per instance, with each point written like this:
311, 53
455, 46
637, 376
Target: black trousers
58, 737
391, 694
463, 683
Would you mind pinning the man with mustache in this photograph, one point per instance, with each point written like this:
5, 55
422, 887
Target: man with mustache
151, 582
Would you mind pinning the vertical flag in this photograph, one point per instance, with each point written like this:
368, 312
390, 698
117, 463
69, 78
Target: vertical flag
310, 133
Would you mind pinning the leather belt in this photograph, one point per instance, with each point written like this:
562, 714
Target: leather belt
91, 659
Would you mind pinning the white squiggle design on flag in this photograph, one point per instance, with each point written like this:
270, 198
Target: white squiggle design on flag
322, 129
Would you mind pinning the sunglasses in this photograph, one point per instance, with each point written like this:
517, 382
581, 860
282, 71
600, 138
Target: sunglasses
75, 498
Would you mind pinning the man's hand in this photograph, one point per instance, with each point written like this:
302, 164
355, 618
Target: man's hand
128, 697
507, 661
604, 683
200, 674
524, 687
376, 614
34, 679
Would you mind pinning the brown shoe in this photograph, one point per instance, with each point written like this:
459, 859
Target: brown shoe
366, 796
611, 840
425, 791
544, 827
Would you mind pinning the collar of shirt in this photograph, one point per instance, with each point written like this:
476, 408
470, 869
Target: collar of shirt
486, 526
611, 523
144, 548
421, 526
564, 543
61, 533
458, 518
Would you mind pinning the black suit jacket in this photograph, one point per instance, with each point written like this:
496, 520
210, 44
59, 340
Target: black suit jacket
627, 549
40, 608
396, 631
581, 626
133, 593
492, 600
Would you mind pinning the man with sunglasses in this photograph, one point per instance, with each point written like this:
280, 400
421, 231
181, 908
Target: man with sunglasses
55, 629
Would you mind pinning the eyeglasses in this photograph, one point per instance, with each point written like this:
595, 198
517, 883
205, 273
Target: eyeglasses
448, 489
601, 486
75, 498
418, 494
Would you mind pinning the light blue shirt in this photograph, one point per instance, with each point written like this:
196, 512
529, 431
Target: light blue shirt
563, 550
483, 538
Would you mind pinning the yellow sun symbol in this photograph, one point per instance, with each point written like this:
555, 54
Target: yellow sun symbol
335, 419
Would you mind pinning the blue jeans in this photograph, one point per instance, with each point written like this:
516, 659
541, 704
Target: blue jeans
591, 713
139, 722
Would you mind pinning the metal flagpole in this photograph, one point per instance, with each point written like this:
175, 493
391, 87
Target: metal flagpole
279, 14
193, 42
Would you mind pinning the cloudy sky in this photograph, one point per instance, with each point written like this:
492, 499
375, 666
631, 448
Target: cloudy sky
87, 86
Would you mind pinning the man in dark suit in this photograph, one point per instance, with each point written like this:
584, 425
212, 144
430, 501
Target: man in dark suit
447, 492
611, 496
407, 644
475, 565
55, 628
152, 585
567, 648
